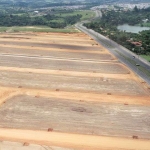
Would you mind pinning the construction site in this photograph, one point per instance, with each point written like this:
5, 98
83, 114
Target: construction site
64, 91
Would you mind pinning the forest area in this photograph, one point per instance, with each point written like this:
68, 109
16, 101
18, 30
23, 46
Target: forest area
53, 14
46, 20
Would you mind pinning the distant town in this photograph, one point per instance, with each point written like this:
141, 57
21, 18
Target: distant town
124, 6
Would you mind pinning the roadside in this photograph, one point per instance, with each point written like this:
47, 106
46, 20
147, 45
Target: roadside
136, 63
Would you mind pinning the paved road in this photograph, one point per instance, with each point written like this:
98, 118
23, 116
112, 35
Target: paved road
125, 56
98, 14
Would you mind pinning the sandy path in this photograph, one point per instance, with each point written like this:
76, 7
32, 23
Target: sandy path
87, 142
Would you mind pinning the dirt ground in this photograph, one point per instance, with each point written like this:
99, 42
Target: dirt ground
6, 145
61, 64
58, 54
73, 141
74, 88
73, 84
93, 118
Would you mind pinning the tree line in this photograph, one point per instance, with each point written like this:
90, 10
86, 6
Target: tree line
47, 20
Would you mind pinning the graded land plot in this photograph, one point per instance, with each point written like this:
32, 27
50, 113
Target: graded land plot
58, 54
48, 36
80, 35
51, 45
50, 39
101, 50
60, 64
67, 116
72, 84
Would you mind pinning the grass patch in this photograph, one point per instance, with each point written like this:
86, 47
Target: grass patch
59, 20
3, 29
147, 57
86, 14
37, 29
146, 24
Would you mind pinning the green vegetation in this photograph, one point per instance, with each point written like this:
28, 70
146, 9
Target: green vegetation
146, 57
138, 43
26, 20
147, 24
86, 14
131, 17
36, 29
55, 19
21, 15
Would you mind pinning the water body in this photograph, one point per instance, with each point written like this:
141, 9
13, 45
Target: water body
132, 29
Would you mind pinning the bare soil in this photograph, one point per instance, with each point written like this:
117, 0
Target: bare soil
65, 83
38, 113
66, 91
51, 45
58, 54
61, 64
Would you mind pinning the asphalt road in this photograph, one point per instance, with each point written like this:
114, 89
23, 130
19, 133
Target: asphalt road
137, 64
